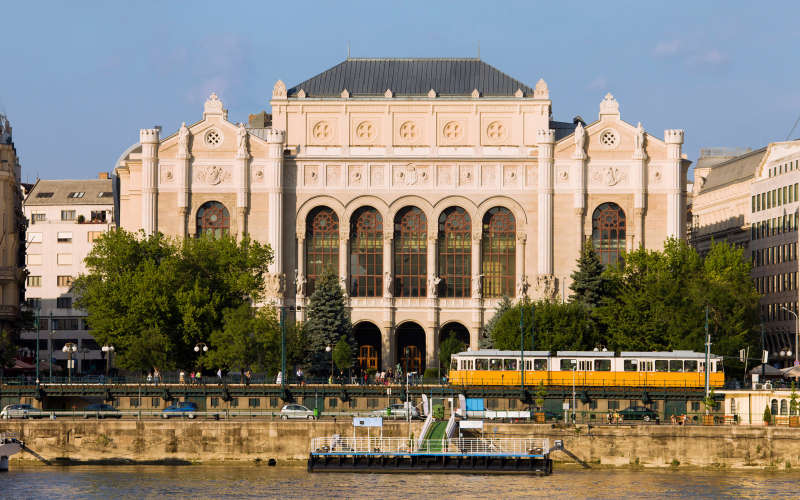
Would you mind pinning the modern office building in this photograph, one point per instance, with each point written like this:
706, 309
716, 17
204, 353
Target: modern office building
65, 217
433, 187
12, 232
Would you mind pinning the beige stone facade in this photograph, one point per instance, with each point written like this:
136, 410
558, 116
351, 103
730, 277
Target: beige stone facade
12, 230
431, 198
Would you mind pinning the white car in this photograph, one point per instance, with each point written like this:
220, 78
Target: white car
21, 411
296, 411
397, 411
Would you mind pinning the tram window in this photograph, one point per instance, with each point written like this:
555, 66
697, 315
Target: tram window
482, 364
540, 365
566, 364
690, 365
454, 364
630, 365
509, 364
469, 364
676, 365
602, 365
662, 365
495, 364
528, 364
646, 366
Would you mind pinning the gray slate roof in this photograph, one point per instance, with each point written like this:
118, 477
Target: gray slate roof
61, 189
411, 77
735, 170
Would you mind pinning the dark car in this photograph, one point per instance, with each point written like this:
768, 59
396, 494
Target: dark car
638, 413
180, 409
101, 410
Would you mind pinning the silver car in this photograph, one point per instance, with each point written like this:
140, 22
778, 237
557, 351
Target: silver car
397, 411
296, 411
21, 411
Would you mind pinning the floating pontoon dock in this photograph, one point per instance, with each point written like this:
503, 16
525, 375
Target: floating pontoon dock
462, 455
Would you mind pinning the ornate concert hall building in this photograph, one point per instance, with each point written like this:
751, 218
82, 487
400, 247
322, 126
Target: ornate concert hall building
433, 187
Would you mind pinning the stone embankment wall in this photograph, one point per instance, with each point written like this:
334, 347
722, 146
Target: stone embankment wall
183, 440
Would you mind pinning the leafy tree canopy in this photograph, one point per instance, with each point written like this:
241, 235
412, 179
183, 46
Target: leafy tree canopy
487, 334
343, 354
555, 326
155, 298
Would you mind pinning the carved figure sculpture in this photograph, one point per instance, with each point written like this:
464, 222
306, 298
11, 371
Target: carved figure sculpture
241, 136
580, 138
638, 140
300, 284
387, 281
183, 141
522, 286
433, 286
476, 286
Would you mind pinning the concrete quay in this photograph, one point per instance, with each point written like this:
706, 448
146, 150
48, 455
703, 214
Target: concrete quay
174, 441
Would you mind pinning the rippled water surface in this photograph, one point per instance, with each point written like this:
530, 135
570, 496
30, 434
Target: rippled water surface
243, 481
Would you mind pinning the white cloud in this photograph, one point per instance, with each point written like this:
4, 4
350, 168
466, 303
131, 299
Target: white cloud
712, 57
667, 48
599, 83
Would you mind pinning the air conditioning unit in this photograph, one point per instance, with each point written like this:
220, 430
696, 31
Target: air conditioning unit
758, 387
768, 386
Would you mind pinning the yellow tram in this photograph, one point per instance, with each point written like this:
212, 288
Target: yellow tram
586, 368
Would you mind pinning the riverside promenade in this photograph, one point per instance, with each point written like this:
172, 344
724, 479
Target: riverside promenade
249, 440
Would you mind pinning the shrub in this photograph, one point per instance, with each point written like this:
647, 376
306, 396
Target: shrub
767, 415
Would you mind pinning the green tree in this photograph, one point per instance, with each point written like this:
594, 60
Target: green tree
343, 354
155, 298
556, 326
328, 320
487, 333
587, 279
449, 346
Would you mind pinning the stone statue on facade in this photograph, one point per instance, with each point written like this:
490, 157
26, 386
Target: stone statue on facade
300, 284
638, 142
433, 286
241, 141
476, 286
580, 139
344, 287
387, 281
546, 287
522, 286
183, 141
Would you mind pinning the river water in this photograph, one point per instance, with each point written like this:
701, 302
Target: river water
251, 481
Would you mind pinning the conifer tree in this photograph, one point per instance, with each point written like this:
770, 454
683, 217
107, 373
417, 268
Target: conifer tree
587, 279
328, 321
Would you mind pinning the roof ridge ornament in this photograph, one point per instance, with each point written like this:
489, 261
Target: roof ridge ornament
345, 94
541, 91
609, 106
475, 94
301, 94
279, 90
388, 94
432, 93
519, 93
213, 107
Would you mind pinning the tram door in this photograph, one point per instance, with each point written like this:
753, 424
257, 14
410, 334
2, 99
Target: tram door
411, 358
367, 358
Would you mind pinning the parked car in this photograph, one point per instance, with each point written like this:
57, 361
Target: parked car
181, 408
296, 411
102, 410
638, 413
396, 411
21, 411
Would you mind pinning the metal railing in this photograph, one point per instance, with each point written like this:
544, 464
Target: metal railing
397, 446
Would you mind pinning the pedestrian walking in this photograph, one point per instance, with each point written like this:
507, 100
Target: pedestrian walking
199, 377
181, 377
219, 376
191, 375
247, 375
149, 378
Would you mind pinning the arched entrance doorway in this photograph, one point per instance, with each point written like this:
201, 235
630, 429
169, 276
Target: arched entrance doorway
411, 347
447, 347
368, 340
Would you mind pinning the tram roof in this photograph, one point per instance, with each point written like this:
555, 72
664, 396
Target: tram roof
667, 354
505, 354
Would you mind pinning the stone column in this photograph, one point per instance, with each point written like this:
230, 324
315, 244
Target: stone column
149, 139
301, 279
274, 170
431, 347
675, 223
546, 139
344, 256
639, 194
184, 183
579, 198
387, 347
183, 213
388, 291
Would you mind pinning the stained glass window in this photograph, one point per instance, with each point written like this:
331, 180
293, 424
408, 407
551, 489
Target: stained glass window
410, 253
213, 219
608, 233
498, 253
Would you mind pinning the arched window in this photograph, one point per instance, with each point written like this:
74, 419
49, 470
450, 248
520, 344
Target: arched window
366, 253
455, 252
410, 253
322, 245
213, 219
784, 407
608, 233
498, 253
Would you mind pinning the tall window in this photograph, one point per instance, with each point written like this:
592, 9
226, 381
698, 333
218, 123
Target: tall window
213, 219
608, 233
322, 244
455, 252
498, 253
410, 253
366, 253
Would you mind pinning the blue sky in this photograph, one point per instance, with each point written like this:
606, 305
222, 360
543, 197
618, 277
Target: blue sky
79, 79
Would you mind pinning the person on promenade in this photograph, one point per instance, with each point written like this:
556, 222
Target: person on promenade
300, 376
279, 378
199, 377
149, 378
247, 375
219, 376
181, 377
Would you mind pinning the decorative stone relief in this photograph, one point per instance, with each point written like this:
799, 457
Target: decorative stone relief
212, 138
510, 175
445, 175
609, 105
388, 94
431, 93
409, 131
345, 94
638, 143
300, 285
476, 286
366, 131
546, 287
166, 175
211, 174
656, 177
522, 287
580, 142
275, 284
311, 175
541, 91
563, 175
433, 286
356, 175
376, 175
465, 176
519, 93
411, 175
475, 94
322, 131
609, 139
496, 131
257, 175
333, 176
279, 90
610, 176
452, 131
301, 94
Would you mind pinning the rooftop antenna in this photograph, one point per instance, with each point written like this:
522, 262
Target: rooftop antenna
348, 49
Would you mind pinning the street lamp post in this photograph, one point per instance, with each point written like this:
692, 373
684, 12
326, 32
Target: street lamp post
69, 348
107, 351
574, 366
329, 349
796, 335
201, 346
